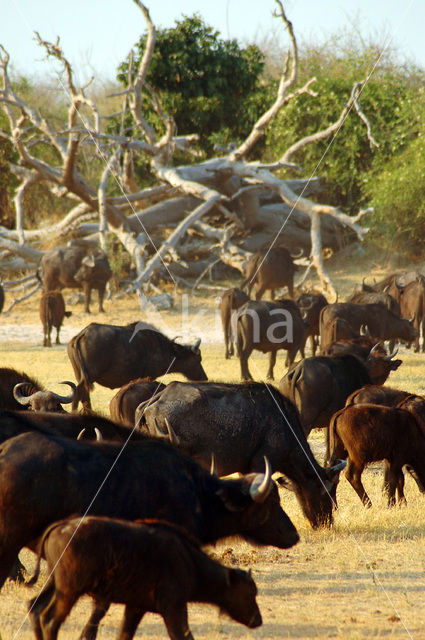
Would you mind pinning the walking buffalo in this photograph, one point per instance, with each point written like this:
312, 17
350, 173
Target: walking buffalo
81, 265
123, 405
269, 326
52, 313
113, 355
270, 269
368, 433
320, 386
231, 301
238, 425
149, 566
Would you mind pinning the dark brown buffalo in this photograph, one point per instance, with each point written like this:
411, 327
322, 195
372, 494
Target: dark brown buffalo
8, 379
269, 326
151, 566
412, 305
368, 433
376, 297
113, 355
231, 301
377, 394
310, 305
123, 405
270, 269
239, 425
82, 266
320, 386
333, 331
52, 313
360, 346
381, 323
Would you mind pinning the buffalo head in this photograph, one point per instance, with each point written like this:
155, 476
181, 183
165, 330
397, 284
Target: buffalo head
42, 400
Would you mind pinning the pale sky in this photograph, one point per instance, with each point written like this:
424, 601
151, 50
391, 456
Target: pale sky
98, 34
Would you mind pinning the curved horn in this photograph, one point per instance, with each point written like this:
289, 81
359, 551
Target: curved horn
260, 487
374, 348
364, 330
213, 469
81, 434
297, 255
18, 395
98, 433
196, 345
65, 399
307, 307
336, 468
392, 355
175, 338
174, 439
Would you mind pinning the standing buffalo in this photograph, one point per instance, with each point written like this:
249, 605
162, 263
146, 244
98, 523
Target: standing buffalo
269, 326
270, 269
80, 266
113, 355
239, 425
123, 405
320, 386
149, 566
231, 301
52, 313
310, 305
412, 305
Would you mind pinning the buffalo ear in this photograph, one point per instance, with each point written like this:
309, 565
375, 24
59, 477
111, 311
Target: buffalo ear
396, 364
284, 482
232, 500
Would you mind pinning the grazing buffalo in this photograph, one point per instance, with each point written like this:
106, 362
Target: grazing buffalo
267, 327
238, 425
42, 400
310, 305
270, 269
149, 566
320, 386
123, 405
231, 301
113, 355
368, 433
45, 477
52, 313
382, 323
81, 265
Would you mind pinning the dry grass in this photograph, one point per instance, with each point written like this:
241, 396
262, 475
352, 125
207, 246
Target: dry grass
364, 578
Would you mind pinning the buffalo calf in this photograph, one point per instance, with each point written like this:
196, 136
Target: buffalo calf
369, 433
52, 313
147, 566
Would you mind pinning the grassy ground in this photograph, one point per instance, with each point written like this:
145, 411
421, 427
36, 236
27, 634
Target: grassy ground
364, 578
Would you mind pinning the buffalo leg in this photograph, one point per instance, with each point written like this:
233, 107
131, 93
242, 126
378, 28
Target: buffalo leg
354, 477
272, 362
57, 335
175, 618
261, 289
394, 482
55, 614
90, 630
101, 295
130, 623
37, 605
87, 297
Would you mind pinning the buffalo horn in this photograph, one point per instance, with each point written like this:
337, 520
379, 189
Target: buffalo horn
196, 345
174, 439
364, 330
81, 434
213, 469
18, 395
297, 255
307, 307
392, 355
374, 348
88, 261
65, 399
98, 433
260, 487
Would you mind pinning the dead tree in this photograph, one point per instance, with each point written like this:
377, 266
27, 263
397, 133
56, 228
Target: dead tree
185, 196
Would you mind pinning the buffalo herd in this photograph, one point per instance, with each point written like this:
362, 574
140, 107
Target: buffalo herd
120, 508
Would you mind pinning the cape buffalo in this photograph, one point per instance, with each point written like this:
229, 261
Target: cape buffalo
42, 400
113, 355
270, 269
310, 305
82, 266
231, 300
320, 386
123, 405
149, 566
239, 425
52, 313
269, 326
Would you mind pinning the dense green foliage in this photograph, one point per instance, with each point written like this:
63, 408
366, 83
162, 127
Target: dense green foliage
209, 85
